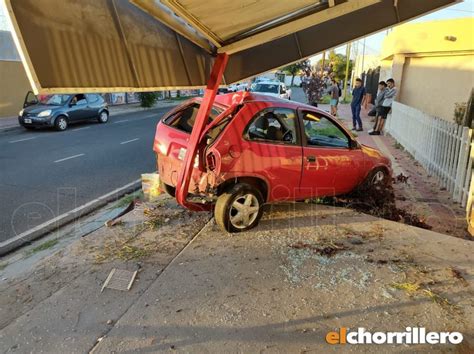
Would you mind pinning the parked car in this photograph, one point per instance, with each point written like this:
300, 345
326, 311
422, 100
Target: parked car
59, 111
240, 86
268, 150
272, 88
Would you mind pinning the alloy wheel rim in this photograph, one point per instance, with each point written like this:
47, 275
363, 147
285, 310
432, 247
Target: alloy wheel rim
103, 117
378, 177
244, 211
62, 124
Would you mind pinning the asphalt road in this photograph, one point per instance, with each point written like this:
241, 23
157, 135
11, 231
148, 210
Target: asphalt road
44, 173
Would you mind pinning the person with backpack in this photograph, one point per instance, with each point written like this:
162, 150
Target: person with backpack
335, 93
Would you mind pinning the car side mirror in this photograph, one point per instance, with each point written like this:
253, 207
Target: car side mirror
353, 144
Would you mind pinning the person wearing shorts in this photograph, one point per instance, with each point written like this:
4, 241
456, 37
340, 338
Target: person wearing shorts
390, 94
378, 102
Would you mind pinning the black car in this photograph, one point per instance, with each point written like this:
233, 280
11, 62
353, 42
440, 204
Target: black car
59, 111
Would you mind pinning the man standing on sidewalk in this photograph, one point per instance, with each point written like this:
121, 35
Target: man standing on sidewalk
390, 94
378, 102
358, 94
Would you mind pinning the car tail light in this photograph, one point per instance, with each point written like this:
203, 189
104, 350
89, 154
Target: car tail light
211, 161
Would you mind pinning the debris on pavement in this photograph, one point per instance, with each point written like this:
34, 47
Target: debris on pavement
151, 186
119, 279
115, 220
379, 202
402, 178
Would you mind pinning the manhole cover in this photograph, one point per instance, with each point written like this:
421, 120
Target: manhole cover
119, 279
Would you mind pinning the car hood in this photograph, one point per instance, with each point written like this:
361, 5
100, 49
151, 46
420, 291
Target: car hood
375, 154
267, 93
37, 108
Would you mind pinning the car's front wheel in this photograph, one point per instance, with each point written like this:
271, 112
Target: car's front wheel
239, 208
376, 179
60, 123
103, 117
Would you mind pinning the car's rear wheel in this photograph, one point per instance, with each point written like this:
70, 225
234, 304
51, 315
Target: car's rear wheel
168, 189
60, 123
103, 117
239, 208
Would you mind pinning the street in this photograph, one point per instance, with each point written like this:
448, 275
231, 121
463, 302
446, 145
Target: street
45, 173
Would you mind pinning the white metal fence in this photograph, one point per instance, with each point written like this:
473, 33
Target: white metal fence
442, 148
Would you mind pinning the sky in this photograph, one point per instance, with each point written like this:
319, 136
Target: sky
373, 43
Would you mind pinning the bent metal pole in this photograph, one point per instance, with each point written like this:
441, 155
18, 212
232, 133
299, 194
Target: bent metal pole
201, 120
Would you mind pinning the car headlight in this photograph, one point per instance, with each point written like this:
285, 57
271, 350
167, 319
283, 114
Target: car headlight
46, 113
21, 112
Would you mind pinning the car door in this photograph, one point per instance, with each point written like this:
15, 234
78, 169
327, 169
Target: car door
78, 108
332, 161
271, 148
93, 105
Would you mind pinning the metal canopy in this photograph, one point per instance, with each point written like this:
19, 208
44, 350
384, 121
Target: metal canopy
145, 45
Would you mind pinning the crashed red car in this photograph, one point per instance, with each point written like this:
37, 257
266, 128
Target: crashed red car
265, 150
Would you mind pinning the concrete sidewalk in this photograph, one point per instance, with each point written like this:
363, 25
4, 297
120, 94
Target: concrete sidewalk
8, 123
306, 270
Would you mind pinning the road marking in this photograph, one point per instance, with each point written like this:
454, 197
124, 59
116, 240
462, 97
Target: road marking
129, 141
122, 121
25, 139
75, 130
68, 158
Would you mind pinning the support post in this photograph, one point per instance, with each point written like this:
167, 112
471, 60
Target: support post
201, 120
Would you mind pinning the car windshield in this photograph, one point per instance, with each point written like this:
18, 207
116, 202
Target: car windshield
53, 100
269, 88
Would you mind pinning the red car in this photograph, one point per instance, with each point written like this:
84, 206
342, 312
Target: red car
267, 150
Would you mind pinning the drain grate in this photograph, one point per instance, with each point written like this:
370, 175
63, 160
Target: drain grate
119, 279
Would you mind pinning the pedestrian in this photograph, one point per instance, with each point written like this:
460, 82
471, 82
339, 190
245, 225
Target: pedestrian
305, 81
315, 90
389, 96
377, 109
334, 93
358, 94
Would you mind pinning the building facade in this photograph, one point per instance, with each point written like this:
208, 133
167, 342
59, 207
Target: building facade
432, 64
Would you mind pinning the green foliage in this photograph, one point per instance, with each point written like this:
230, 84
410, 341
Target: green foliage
337, 63
296, 68
148, 99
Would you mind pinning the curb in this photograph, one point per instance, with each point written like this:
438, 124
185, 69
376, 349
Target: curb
61, 220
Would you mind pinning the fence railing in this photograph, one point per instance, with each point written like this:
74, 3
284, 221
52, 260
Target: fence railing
442, 148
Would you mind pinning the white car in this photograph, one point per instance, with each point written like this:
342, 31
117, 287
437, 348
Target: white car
243, 86
272, 88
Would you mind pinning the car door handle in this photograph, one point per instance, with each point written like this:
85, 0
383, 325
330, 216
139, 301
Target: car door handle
311, 158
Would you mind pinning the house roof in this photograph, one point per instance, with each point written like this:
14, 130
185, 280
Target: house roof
145, 45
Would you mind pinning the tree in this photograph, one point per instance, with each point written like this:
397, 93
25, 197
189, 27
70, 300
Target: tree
296, 68
148, 99
336, 63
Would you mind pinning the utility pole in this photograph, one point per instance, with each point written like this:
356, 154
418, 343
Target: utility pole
348, 58
363, 59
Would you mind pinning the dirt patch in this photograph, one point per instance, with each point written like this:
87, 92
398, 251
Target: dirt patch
379, 202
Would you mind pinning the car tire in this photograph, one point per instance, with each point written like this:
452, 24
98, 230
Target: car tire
168, 189
103, 117
60, 124
377, 178
240, 199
